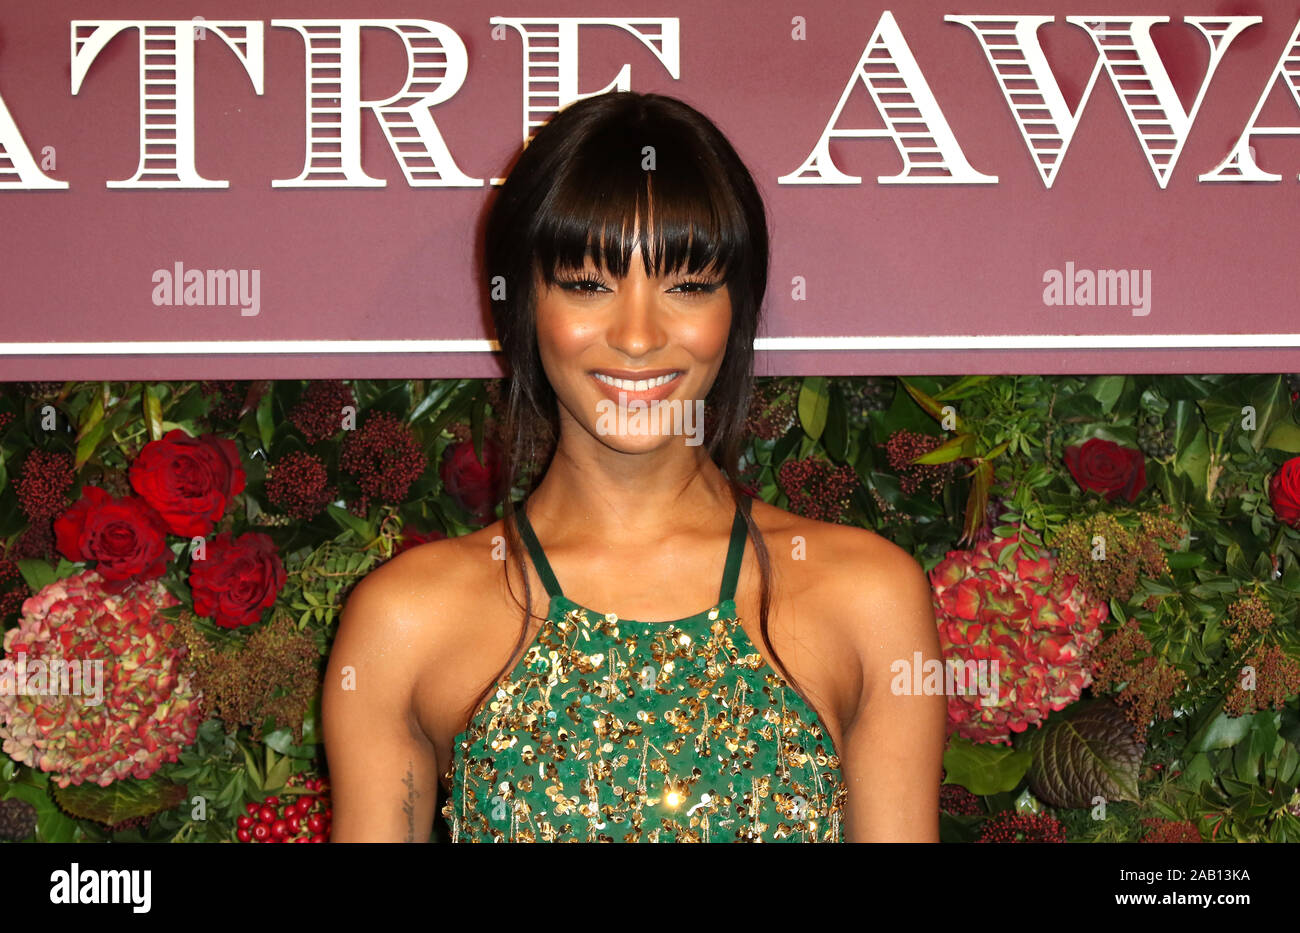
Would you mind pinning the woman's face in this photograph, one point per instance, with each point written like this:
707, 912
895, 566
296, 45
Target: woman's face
632, 359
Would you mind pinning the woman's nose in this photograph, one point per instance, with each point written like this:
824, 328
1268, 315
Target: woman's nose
635, 327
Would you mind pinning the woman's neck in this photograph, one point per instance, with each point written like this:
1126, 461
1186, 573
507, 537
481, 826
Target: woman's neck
618, 494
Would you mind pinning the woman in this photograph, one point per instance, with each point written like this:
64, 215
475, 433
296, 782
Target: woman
626, 258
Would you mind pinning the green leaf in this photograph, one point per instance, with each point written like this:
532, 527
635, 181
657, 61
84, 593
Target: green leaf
1220, 415
1193, 458
963, 387
254, 772
442, 389
461, 399
124, 799
836, 438
37, 574
282, 741
930, 405
153, 417
984, 769
265, 420
93, 415
963, 445
349, 522
86, 445
1223, 731
977, 500
1089, 753
278, 772
1106, 390
1284, 436
1272, 402
814, 405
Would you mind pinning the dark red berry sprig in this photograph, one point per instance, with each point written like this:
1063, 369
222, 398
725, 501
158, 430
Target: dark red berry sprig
299, 484
320, 412
817, 489
302, 817
43, 484
385, 458
1016, 826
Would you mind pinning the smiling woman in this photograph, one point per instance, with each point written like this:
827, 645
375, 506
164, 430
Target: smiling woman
627, 258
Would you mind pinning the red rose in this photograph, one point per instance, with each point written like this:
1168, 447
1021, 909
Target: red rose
237, 579
1106, 467
473, 484
1284, 492
124, 536
188, 480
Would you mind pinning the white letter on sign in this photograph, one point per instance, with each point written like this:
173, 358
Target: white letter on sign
1240, 164
22, 171
1142, 81
931, 155
166, 89
1030, 87
436, 66
551, 59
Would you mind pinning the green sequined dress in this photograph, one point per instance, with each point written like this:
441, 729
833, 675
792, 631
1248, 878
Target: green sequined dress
611, 730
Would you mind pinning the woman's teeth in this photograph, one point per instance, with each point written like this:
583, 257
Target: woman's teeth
638, 385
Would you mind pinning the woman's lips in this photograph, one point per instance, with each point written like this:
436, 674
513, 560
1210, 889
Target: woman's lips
623, 389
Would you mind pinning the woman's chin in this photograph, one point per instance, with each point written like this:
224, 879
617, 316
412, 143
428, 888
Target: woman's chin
630, 443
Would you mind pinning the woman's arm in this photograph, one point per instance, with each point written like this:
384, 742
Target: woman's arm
892, 760
383, 769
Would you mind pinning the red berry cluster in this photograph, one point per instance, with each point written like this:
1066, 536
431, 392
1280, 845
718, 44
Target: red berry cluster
1016, 826
46, 478
300, 818
385, 457
905, 446
225, 398
772, 408
319, 414
13, 591
299, 484
957, 800
1158, 830
817, 489
37, 541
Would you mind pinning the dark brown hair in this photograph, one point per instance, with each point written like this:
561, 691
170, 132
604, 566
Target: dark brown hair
578, 189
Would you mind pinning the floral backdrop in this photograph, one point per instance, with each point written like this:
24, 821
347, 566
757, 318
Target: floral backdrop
1118, 552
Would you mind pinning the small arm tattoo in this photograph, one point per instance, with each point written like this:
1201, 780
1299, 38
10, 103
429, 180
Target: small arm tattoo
409, 806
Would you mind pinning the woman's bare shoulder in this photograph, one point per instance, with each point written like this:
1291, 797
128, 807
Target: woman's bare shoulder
841, 565
421, 592
838, 544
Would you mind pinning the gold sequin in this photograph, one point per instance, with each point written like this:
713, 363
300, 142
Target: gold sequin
618, 731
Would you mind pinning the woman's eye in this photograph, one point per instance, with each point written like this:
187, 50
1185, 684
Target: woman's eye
581, 286
697, 288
